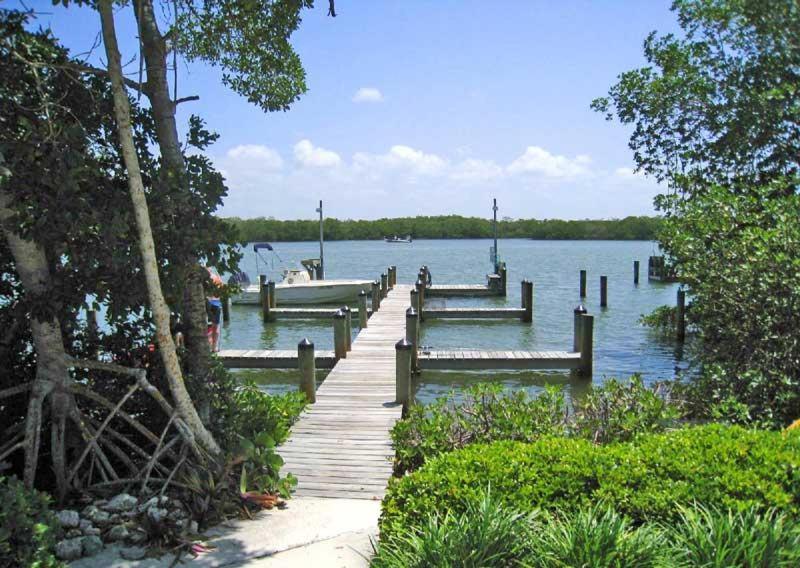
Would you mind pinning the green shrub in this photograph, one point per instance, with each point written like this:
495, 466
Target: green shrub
483, 536
28, 529
596, 537
616, 411
709, 537
482, 413
646, 479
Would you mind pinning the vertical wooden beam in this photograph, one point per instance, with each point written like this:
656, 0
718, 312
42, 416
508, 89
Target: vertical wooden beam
308, 369
339, 340
384, 285
680, 320
583, 284
420, 286
273, 300
403, 373
263, 292
362, 309
415, 300
376, 296
226, 308
392, 276
348, 327
576, 327
586, 345
635, 271
412, 336
603, 291
503, 279
527, 301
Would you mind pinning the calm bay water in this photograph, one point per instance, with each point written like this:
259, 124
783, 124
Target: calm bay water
622, 345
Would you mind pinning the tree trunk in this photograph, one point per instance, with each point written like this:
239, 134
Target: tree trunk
174, 174
161, 312
197, 363
52, 375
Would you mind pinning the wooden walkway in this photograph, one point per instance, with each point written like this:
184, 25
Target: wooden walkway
340, 446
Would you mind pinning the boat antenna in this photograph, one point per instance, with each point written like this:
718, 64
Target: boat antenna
321, 275
494, 250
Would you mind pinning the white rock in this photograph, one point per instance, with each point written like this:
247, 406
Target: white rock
69, 549
68, 519
120, 503
91, 545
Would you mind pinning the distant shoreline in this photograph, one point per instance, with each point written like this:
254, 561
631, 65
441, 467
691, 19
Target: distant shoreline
448, 227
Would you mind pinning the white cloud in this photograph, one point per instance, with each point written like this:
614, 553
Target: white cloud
475, 171
255, 155
628, 173
539, 161
315, 157
401, 157
368, 95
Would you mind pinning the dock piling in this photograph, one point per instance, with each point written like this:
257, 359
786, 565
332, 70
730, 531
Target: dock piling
308, 369
339, 331
503, 272
586, 344
392, 276
376, 296
635, 271
348, 327
263, 291
527, 301
583, 284
412, 336
680, 320
362, 309
414, 294
576, 327
403, 352
384, 285
226, 308
603, 291
273, 302
420, 289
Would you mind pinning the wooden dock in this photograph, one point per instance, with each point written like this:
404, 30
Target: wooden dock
473, 313
340, 447
306, 313
271, 359
463, 359
469, 290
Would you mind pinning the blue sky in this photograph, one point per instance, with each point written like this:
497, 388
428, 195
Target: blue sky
427, 107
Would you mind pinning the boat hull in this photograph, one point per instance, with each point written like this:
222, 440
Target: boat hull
314, 292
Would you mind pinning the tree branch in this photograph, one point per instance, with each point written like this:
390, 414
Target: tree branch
186, 99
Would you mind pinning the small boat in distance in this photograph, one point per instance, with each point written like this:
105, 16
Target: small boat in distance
396, 239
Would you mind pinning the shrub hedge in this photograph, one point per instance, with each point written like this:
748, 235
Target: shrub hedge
647, 479
28, 529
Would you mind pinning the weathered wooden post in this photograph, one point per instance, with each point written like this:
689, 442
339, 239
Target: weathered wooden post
576, 327
635, 271
263, 296
339, 338
603, 291
415, 300
586, 344
384, 285
420, 286
348, 327
376, 296
403, 394
308, 369
583, 284
392, 276
527, 301
503, 279
362, 309
680, 319
412, 336
273, 301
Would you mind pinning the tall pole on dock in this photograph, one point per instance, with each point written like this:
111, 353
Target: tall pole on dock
321, 240
494, 211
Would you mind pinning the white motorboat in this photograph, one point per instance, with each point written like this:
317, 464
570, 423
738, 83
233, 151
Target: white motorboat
297, 288
396, 239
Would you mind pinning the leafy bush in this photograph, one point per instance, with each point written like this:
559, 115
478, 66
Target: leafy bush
484, 535
483, 413
662, 319
615, 411
646, 479
709, 537
28, 529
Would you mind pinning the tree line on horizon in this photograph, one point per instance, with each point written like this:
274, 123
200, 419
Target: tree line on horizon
446, 227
